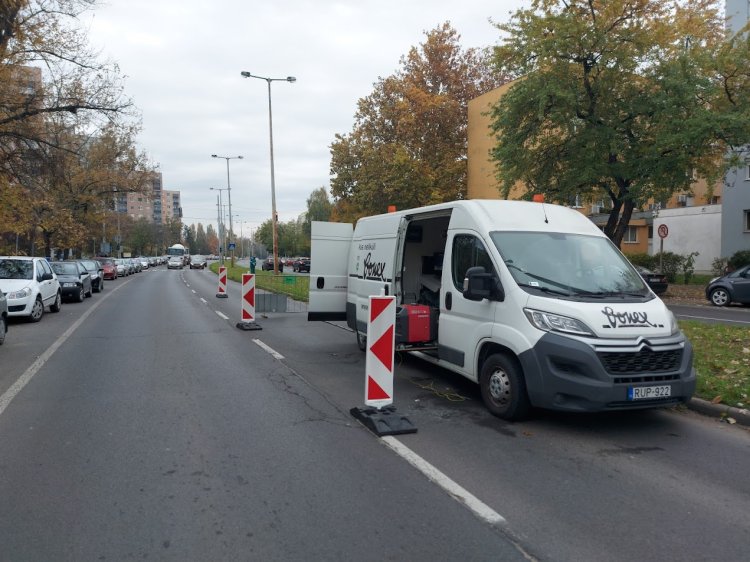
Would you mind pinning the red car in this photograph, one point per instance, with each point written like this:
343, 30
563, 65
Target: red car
109, 266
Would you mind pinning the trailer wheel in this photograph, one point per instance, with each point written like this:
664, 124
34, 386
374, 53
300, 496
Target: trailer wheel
362, 341
503, 388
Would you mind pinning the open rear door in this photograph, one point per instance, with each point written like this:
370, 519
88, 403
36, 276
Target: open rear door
329, 274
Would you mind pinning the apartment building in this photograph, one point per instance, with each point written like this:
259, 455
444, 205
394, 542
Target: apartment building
156, 205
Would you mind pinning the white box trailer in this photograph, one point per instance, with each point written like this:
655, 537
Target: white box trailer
533, 302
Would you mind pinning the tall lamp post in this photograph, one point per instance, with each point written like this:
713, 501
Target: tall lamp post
117, 212
229, 194
273, 184
220, 213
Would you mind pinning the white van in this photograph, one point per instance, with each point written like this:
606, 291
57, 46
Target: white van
530, 300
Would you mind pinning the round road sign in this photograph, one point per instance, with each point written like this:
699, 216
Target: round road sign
663, 231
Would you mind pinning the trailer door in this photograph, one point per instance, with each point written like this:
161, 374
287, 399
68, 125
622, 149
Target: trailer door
329, 274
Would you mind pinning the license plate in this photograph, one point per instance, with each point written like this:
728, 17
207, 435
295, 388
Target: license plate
646, 392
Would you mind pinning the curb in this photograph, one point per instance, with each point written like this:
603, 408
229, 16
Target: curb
721, 411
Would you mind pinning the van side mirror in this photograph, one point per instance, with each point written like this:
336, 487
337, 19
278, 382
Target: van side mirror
479, 285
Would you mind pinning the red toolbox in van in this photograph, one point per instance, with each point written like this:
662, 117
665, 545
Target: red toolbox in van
416, 323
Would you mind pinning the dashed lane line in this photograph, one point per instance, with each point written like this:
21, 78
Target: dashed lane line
268, 349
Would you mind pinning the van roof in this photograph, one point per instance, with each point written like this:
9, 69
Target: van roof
498, 214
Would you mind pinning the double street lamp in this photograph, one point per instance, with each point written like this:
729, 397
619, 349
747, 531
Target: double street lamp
229, 194
273, 184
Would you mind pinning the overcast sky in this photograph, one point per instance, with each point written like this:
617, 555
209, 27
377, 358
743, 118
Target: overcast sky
183, 59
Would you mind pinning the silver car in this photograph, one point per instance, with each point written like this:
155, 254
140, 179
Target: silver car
175, 262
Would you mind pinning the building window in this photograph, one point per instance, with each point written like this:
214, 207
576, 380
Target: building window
631, 235
747, 220
715, 200
747, 172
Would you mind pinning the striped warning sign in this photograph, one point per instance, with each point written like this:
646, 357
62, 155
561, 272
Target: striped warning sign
248, 297
380, 350
222, 292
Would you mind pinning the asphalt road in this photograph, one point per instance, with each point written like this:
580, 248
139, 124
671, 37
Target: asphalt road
158, 429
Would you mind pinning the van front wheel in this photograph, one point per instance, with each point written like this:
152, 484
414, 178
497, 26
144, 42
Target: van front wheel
503, 388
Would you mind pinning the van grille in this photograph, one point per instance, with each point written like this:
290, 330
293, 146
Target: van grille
643, 361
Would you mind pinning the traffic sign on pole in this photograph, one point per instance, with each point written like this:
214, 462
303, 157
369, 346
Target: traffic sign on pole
222, 293
247, 319
663, 231
379, 415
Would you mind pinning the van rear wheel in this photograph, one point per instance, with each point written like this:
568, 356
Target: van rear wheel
503, 388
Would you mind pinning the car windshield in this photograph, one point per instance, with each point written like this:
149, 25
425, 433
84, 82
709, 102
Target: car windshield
16, 269
568, 264
62, 268
90, 265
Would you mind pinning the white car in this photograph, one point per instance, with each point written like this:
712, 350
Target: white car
29, 285
3, 317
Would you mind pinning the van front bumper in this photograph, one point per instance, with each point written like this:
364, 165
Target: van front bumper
579, 375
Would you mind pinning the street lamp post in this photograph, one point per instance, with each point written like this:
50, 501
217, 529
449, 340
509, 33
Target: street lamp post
273, 184
117, 213
219, 212
229, 194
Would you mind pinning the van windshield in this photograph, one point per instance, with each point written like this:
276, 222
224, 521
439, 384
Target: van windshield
568, 264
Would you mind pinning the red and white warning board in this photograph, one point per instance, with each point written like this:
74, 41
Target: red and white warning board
248, 297
381, 339
222, 281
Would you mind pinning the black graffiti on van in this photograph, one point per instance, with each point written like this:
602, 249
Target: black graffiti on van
627, 319
373, 270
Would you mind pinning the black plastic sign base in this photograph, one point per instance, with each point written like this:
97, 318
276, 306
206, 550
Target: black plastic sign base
222, 296
383, 421
248, 326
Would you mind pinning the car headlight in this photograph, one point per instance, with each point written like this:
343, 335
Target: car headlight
22, 294
556, 323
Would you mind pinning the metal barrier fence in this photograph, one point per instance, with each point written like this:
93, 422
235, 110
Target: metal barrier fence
281, 293
274, 293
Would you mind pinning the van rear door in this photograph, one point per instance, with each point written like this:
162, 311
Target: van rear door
329, 274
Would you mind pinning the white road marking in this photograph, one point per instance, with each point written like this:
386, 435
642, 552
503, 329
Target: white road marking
222, 315
477, 506
270, 350
26, 377
193, 291
204, 301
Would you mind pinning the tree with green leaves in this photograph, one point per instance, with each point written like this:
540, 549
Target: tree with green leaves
319, 208
622, 100
408, 146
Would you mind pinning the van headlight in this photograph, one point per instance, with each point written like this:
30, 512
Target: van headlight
556, 323
22, 294
673, 327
